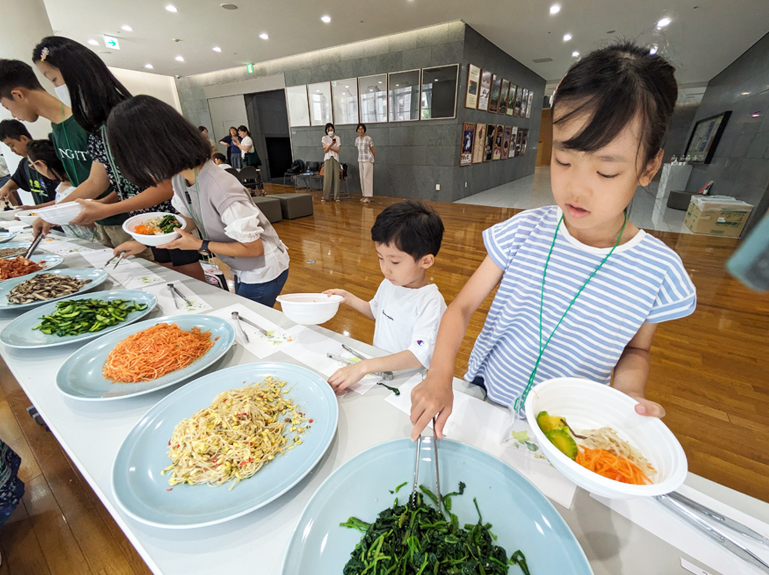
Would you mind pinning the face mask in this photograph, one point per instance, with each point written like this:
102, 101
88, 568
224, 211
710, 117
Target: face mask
62, 93
331, 133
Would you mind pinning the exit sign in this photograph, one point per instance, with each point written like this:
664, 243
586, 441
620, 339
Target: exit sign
111, 42
250, 68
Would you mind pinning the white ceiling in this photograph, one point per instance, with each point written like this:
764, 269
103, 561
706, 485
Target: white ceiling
704, 37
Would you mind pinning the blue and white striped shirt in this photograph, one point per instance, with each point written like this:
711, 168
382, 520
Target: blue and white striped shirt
642, 281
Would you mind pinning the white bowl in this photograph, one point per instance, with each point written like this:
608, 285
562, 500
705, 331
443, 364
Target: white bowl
61, 214
589, 405
151, 240
25, 216
310, 308
8, 215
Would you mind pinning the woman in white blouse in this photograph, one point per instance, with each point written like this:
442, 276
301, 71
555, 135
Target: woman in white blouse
245, 143
208, 198
366, 155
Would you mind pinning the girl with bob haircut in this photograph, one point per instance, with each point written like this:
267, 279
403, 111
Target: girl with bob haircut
581, 289
151, 143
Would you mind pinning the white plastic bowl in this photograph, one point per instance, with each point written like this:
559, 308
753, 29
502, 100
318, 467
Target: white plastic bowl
26, 218
151, 240
61, 214
589, 405
310, 308
9, 214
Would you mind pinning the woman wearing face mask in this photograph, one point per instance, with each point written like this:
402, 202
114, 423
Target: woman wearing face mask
331, 145
81, 76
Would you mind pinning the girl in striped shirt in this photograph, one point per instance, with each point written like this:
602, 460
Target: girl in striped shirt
581, 289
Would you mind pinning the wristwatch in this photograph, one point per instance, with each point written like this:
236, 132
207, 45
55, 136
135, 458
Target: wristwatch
204, 247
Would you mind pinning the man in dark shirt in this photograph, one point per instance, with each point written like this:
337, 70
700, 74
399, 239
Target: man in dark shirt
15, 135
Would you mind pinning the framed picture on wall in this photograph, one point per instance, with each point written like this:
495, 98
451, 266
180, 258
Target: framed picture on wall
490, 134
506, 142
529, 105
473, 85
511, 100
468, 133
705, 137
513, 136
518, 142
485, 90
496, 86
519, 102
502, 109
524, 141
479, 144
525, 103
499, 135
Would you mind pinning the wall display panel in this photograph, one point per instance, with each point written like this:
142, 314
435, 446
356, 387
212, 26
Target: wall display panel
319, 96
403, 96
524, 141
513, 137
473, 86
439, 92
468, 135
519, 102
502, 108
485, 91
499, 136
345, 101
530, 104
511, 100
480, 142
490, 136
506, 142
496, 87
525, 104
519, 142
373, 98
298, 108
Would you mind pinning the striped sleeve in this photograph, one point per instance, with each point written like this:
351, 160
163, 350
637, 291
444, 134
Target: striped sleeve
502, 240
677, 296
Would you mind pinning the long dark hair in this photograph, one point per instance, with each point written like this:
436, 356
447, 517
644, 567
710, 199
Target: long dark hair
152, 142
93, 89
244, 129
614, 85
43, 151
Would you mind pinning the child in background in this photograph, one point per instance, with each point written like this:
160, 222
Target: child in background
221, 161
43, 158
15, 135
581, 289
406, 308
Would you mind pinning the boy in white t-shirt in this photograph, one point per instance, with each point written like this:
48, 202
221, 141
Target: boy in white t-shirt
407, 308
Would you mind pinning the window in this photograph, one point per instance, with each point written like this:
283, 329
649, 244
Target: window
404, 96
373, 98
439, 92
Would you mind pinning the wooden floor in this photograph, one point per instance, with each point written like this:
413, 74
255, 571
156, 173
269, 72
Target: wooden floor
709, 371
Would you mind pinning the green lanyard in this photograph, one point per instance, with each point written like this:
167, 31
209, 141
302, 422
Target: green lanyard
519, 402
119, 179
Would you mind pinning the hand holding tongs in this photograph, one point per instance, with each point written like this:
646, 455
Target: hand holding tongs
412, 497
121, 256
385, 375
33, 246
692, 512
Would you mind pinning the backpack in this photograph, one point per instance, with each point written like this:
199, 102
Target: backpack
297, 167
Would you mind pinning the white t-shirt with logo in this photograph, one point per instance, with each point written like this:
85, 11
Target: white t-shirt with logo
407, 319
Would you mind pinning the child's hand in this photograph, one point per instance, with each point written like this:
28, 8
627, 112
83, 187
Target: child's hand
130, 248
186, 241
648, 408
431, 398
346, 376
345, 294
40, 226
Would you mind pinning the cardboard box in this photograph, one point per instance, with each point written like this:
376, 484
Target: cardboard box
717, 215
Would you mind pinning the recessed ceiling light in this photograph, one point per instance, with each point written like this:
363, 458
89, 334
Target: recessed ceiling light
171, 8
575, 54
664, 22
229, 6
149, 66
396, 85
436, 80
93, 42
380, 82
217, 49
555, 8
566, 37
653, 50
745, 93
179, 59
326, 19
264, 36
756, 114
347, 86
127, 28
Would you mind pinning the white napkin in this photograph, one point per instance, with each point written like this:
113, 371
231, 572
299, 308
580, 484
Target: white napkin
167, 304
129, 273
63, 247
260, 345
310, 347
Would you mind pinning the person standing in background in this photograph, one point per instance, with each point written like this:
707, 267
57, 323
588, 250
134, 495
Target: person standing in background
245, 144
11, 487
331, 145
15, 135
204, 131
233, 152
366, 156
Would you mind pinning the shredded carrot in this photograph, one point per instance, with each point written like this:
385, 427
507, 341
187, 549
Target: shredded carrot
142, 229
611, 466
154, 352
18, 266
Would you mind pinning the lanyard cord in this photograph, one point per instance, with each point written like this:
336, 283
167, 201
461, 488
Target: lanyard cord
200, 226
522, 399
119, 179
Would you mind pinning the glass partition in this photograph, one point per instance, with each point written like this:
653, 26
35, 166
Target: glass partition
373, 98
345, 101
439, 92
298, 110
404, 96
319, 96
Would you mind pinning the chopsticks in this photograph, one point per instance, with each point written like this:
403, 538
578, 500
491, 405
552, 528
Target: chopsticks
33, 246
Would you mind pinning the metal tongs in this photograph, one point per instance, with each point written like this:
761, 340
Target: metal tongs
239, 318
120, 257
693, 513
413, 496
385, 375
33, 246
175, 292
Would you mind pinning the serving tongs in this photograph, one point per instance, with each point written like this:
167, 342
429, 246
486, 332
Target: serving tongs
33, 246
415, 488
120, 257
175, 292
385, 375
693, 513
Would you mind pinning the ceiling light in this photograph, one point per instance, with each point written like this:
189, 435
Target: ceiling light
229, 6
380, 82
149, 66
216, 49
555, 8
566, 37
745, 93
347, 86
127, 28
326, 19
575, 54
664, 22
179, 59
397, 85
93, 42
171, 8
264, 36
653, 50
436, 80
756, 114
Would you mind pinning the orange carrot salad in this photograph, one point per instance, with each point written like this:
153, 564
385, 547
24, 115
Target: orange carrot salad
154, 352
611, 466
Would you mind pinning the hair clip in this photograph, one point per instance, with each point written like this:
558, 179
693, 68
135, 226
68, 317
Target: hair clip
44, 54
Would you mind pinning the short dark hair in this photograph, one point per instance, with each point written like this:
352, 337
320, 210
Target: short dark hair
152, 142
244, 129
219, 156
361, 125
93, 89
202, 128
16, 74
411, 227
43, 151
14, 130
613, 85
330, 125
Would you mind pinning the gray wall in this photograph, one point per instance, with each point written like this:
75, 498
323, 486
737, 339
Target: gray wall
740, 167
267, 118
680, 130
